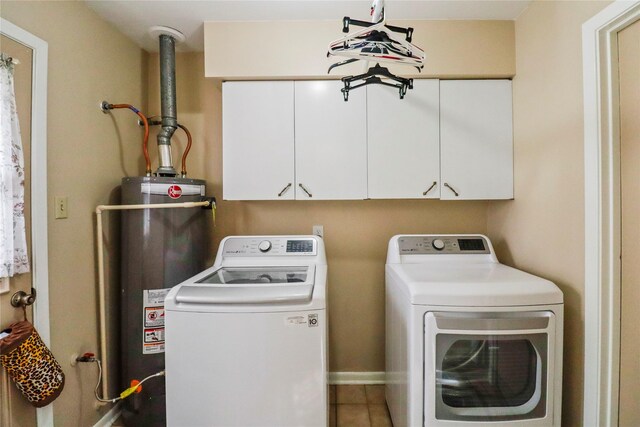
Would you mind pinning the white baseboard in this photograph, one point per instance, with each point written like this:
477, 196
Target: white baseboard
110, 417
356, 377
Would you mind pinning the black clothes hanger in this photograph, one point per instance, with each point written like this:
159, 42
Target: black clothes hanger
377, 43
373, 76
346, 21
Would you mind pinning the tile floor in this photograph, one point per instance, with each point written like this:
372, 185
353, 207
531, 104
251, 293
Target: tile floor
352, 406
358, 406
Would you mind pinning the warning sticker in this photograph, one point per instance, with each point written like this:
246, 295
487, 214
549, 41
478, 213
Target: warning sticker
154, 316
153, 320
153, 348
155, 296
154, 335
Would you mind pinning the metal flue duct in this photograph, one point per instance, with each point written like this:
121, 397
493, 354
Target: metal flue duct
167, 39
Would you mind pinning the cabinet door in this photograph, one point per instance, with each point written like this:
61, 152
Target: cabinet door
476, 139
257, 140
331, 142
404, 142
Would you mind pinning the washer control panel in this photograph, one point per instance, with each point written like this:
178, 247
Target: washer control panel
433, 245
274, 246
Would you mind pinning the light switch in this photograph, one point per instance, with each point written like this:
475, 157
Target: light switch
62, 207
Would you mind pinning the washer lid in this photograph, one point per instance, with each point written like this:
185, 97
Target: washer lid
257, 275
472, 285
250, 285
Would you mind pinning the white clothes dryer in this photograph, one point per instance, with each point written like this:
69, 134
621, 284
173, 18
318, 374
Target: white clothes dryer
246, 340
469, 341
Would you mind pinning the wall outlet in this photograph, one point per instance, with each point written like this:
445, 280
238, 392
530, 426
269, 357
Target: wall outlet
62, 207
318, 230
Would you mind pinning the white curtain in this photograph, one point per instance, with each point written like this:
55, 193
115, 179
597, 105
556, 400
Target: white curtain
13, 241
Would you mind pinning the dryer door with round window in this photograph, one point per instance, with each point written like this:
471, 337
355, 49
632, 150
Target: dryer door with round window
488, 366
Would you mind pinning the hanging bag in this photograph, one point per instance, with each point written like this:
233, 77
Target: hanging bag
30, 364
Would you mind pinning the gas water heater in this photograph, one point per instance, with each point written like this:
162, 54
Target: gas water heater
161, 247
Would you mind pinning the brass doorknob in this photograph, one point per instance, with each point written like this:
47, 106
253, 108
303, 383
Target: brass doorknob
23, 299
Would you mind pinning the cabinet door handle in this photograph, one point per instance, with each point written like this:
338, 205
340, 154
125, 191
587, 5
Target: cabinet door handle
451, 188
305, 190
430, 188
284, 190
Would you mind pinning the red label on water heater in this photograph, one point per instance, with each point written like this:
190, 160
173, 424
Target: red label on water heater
174, 192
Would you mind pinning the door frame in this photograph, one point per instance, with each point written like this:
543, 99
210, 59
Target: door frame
39, 240
602, 210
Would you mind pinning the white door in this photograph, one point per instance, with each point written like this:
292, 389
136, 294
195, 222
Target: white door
13, 406
404, 142
476, 139
331, 142
257, 140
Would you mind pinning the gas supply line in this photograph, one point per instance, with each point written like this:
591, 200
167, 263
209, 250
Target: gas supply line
135, 387
101, 274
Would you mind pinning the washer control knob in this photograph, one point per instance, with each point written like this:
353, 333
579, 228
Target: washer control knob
264, 246
438, 244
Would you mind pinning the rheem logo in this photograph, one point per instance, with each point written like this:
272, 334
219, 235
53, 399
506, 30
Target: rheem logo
174, 191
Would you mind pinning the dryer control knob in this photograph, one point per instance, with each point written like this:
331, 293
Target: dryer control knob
438, 244
264, 246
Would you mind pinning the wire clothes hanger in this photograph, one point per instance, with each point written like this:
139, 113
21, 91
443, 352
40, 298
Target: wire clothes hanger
376, 42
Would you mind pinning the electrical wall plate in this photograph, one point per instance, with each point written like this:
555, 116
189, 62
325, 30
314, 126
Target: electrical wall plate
62, 207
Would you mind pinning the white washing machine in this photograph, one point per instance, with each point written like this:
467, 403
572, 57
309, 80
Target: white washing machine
246, 340
469, 341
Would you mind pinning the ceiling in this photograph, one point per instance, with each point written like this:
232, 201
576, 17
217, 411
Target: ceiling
134, 17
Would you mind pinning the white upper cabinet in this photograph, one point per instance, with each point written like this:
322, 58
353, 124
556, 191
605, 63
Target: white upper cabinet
404, 141
330, 142
285, 140
258, 140
476, 139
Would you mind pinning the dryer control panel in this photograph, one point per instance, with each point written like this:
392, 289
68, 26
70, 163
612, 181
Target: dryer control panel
269, 246
450, 245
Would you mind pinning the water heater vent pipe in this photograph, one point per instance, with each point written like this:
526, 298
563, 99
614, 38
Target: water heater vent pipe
167, 38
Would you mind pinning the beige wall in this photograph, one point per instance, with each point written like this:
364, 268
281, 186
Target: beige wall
542, 229
10, 398
88, 152
255, 50
629, 51
356, 232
